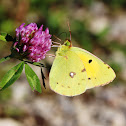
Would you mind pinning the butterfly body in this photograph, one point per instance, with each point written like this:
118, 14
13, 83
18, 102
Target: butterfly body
74, 70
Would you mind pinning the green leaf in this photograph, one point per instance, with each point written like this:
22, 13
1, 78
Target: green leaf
5, 37
15, 77
2, 36
33, 79
5, 58
11, 76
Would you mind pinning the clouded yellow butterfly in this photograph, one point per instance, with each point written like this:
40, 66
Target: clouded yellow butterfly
74, 70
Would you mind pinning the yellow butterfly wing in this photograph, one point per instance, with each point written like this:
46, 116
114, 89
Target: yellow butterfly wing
98, 72
68, 76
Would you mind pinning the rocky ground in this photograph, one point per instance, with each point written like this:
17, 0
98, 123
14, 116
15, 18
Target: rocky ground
101, 106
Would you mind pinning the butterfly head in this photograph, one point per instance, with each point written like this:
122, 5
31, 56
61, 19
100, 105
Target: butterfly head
64, 48
68, 43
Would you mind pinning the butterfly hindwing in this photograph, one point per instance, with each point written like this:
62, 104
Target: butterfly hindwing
68, 75
98, 72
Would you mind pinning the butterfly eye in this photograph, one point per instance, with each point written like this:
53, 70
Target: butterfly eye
67, 43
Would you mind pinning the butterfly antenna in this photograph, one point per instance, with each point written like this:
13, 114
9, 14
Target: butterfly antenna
69, 32
69, 28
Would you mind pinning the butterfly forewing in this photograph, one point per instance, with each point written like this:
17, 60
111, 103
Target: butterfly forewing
68, 75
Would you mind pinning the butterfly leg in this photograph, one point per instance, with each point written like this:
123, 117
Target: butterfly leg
50, 55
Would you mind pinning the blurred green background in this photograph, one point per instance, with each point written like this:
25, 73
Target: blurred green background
98, 26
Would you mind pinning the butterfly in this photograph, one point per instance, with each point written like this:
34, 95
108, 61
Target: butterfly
75, 70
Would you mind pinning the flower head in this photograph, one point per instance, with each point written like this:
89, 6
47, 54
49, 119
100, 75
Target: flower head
32, 43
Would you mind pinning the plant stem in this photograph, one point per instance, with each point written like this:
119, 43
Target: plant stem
34, 63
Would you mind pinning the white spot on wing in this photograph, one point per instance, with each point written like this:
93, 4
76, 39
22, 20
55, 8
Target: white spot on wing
72, 74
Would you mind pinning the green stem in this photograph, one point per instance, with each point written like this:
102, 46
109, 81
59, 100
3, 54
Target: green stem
34, 63
5, 59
